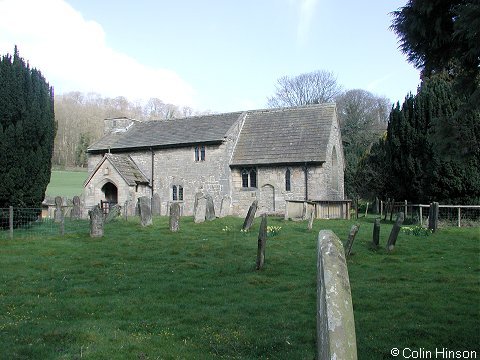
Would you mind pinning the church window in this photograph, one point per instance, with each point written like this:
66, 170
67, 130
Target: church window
249, 178
200, 153
174, 193
177, 193
287, 181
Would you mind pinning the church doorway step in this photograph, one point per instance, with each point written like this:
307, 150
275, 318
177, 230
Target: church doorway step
267, 199
110, 192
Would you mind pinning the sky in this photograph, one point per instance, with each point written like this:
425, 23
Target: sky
211, 55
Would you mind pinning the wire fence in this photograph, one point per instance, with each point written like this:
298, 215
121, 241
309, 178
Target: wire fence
448, 215
29, 223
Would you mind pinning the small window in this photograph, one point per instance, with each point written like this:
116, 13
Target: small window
174, 192
287, 181
249, 178
180, 193
197, 154
202, 153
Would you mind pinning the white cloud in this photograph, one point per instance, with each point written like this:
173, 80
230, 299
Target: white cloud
306, 10
72, 54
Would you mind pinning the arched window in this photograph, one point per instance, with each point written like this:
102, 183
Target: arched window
287, 180
197, 154
180, 192
245, 178
202, 153
174, 192
253, 178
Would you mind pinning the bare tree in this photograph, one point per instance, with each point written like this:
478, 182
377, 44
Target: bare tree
310, 88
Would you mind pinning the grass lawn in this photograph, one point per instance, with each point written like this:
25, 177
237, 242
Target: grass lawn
148, 294
66, 183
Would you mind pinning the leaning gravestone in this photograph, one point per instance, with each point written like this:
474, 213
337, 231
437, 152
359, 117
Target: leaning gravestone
392, 239
376, 233
433, 216
144, 211
58, 209
310, 221
200, 210
351, 238
225, 206
156, 205
210, 208
262, 240
247, 224
96, 222
174, 217
113, 213
75, 214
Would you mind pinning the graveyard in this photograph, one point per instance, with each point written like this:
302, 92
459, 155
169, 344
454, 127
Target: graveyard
148, 292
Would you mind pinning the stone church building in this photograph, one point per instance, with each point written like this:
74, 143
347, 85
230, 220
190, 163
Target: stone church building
271, 155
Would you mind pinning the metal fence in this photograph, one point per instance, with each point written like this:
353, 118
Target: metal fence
448, 215
29, 223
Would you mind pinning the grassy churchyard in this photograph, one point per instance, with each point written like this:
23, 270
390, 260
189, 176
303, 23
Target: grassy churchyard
146, 293
66, 183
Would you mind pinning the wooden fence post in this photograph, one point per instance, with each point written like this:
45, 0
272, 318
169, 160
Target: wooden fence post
406, 212
381, 209
459, 217
421, 215
10, 221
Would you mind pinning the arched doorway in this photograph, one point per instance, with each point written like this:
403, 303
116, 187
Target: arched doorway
111, 196
267, 199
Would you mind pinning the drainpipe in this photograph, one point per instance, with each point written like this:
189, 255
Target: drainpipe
305, 169
153, 163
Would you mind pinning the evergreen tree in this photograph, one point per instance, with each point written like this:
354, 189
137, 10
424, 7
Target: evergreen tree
27, 131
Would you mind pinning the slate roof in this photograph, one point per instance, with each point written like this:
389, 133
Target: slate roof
285, 136
126, 167
169, 133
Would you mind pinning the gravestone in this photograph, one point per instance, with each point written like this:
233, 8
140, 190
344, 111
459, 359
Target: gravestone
75, 214
225, 206
174, 217
156, 205
96, 222
58, 209
433, 216
376, 206
392, 239
210, 208
145, 211
247, 224
262, 241
351, 238
376, 233
310, 221
113, 213
198, 196
200, 209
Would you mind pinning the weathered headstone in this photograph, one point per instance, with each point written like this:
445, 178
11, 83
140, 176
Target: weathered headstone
376, 206
76, 212
351, 238
225, 206
392, 239
96, 222
262, 240
200, 210
376, 233
145, 211
247, 224
156, 205
58, 209
433, 216
198, 196
392, 207
335, 322
310, 221
113, 213
174, 217
210, 208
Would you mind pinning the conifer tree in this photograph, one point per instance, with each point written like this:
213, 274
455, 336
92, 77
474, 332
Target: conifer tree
27, 131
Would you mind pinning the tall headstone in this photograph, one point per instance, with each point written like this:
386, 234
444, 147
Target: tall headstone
198, 196
262, 240
76, 212
376, 206
96, 221
376, 233
113, 213
225, 206
210, 208
310, 221
156, 205
392, 239
145, 211
200, 210
247, 224
58, 209
433, 216
174, 217
351, 238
